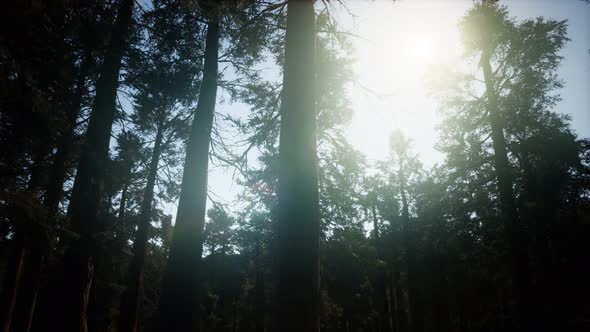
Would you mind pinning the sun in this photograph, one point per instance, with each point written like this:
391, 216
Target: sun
392, 57
422, 49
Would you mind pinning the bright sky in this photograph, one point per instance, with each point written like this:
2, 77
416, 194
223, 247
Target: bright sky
397, 41
396, 45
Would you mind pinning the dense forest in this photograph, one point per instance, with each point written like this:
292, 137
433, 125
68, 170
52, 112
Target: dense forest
112, 117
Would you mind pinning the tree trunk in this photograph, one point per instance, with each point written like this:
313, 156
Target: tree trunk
12, 281
384, 323
132, 297
17, 279
395, 299
414, 313
29, 287
514, 231
54, 191
299, 220
179, 307
123, 202
85, 204
440, 294
259, 288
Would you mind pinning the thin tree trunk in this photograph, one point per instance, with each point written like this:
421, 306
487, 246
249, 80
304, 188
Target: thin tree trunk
259, 287
123, 202
179, 307
234, 325
16, 277
12, 281
514, 231
376, 230
299, 220
29, 287
131, 303
414, 321
395, 302
381, 295
85, 204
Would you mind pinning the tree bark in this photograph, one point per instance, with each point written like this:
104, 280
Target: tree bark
131, 303
85, 204
179, 307
514, 231
299, 220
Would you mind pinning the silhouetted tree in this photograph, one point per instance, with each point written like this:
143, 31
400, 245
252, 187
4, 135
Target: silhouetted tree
298, 202
86, 200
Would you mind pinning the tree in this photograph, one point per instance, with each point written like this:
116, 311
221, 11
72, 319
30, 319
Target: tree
179, 301
298, 255
516, 80
85, 206
403, 170
218, 232
241, 26
51, 73
163, 74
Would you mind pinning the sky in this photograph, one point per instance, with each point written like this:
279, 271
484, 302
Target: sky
396, 43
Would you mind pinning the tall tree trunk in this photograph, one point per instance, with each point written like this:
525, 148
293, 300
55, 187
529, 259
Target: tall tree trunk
85, 204
514, 231
179, 307
299, 220
131, 303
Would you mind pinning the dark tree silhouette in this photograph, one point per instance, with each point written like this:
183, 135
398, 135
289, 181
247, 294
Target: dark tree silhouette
298, 253
85, 206
179, 300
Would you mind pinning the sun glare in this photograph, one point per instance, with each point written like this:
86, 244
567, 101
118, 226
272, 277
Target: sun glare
395, 51
422, 48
